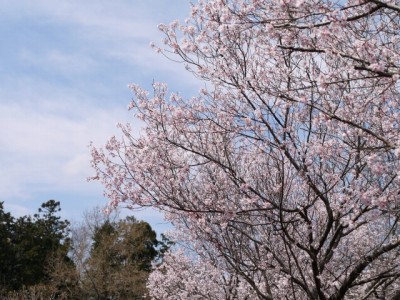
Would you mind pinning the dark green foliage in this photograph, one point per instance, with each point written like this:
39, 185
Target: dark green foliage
133, 243
27, 243
141, 241
6, 247
113, 261
120, 259
163, 246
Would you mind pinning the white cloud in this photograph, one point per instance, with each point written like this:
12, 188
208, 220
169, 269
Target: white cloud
50, 148
16, 210
120, 30
77, 165
58, 61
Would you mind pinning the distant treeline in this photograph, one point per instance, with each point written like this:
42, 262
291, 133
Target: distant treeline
104, 257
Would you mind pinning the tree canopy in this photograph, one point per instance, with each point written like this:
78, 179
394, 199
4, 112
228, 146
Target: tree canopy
120, 259
281, 175
44, 257
27, 243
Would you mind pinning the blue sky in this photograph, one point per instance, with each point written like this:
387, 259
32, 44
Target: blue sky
64, 70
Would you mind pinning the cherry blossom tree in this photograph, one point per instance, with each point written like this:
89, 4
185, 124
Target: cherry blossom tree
281, 176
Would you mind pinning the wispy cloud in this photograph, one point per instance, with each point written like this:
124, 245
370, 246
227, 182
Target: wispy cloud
57, 61
111, 27
45, 148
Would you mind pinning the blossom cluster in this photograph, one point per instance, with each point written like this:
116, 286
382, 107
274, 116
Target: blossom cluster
282, 175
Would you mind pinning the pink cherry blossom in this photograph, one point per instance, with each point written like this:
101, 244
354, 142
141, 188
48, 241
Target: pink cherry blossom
281, 177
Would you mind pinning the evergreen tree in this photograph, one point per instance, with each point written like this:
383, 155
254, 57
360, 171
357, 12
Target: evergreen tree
6, 246
120, 259
27, 244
